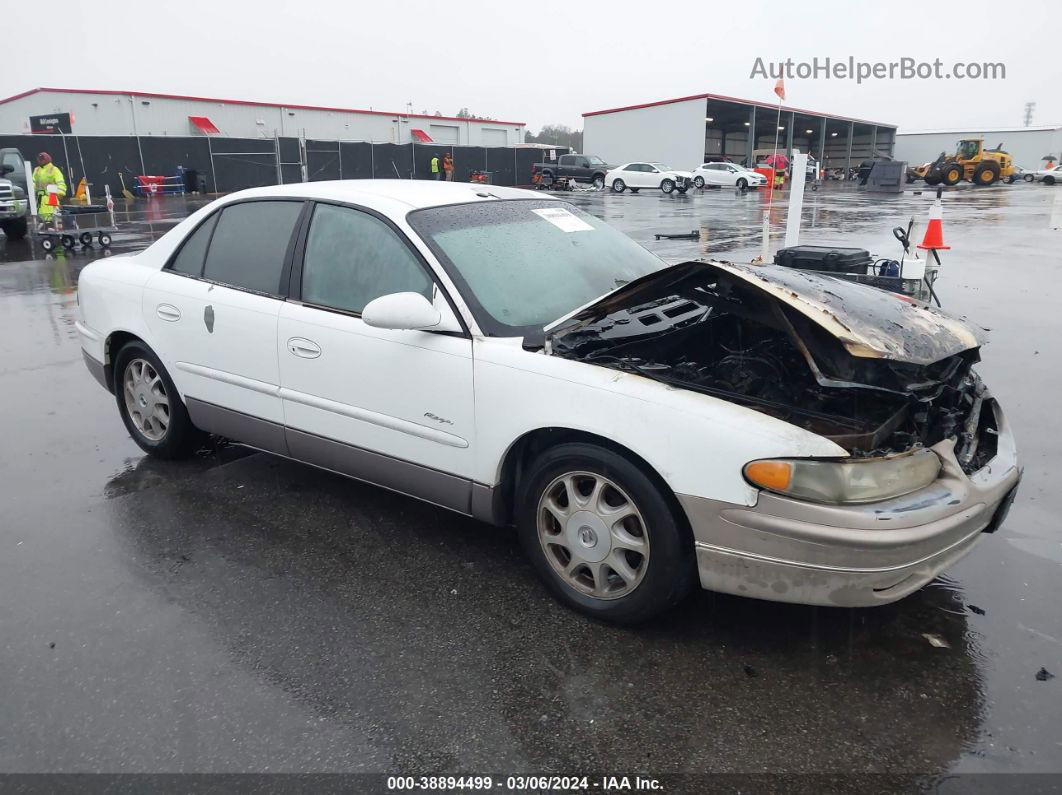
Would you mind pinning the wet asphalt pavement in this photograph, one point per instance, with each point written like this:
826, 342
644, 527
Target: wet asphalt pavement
239, 612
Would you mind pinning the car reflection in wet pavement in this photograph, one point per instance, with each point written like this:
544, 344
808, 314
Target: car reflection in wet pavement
241, 612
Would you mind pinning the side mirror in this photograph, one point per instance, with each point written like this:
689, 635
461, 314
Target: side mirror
401, 311
6, 168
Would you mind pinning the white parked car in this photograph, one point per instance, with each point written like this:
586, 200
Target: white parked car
727, 175
648, 175
759, 430
1048, 176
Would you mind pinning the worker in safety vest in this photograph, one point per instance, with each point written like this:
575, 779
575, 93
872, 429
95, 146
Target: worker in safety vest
448, 166
46, 175
436, 172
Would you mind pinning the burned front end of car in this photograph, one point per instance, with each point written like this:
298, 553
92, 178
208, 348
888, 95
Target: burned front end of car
889, 380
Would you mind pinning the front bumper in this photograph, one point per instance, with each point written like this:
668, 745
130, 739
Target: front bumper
787, 550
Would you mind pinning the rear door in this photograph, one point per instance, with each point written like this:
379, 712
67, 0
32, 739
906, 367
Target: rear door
634, 175
213, 315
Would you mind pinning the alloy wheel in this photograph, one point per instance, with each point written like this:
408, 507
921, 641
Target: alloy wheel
593, 535
146, 400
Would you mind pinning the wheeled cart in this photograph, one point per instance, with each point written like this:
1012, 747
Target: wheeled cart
68, 231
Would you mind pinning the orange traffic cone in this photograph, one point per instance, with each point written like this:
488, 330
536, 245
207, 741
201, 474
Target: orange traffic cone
934, 237
53, 199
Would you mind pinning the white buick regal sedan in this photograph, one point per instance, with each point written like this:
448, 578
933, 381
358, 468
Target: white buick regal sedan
759, 430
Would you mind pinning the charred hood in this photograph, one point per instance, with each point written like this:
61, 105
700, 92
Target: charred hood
871, 370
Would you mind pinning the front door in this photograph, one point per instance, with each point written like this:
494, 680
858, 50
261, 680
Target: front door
393, 407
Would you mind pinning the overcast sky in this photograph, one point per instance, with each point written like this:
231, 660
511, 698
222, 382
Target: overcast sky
548, 62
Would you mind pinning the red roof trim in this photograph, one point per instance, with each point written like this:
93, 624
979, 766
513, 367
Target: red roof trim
256, 104
740, 101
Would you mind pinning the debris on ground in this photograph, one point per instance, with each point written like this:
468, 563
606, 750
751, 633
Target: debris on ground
691, 235
750, 672
936, 641
975, 609
1043, 675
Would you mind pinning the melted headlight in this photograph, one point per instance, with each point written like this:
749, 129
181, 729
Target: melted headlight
849, 481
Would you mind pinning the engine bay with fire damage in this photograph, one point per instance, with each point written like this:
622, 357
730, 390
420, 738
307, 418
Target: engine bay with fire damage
876, 373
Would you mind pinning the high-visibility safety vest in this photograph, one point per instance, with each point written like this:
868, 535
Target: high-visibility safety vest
435, 165
46, 175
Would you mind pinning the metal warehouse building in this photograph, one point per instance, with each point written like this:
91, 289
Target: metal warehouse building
683, 132
1027, 145
143, 114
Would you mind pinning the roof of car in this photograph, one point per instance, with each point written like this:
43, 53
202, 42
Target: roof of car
413, 194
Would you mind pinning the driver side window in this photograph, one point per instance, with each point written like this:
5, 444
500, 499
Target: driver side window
352, 258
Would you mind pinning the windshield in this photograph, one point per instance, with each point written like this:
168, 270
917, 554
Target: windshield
595, 160
521, 264
662, 166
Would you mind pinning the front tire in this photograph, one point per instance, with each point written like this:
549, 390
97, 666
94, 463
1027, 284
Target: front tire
618, 186
602, 534
150, 405
15, 229
1049, 180
951, 174
667, 185
742, 183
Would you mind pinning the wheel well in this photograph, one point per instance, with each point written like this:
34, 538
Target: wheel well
524, 450
114, 343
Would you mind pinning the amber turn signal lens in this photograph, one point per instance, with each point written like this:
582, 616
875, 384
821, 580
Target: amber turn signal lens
773, 475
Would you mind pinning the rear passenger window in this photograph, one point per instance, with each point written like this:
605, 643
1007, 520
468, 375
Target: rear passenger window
250, 245
189, 259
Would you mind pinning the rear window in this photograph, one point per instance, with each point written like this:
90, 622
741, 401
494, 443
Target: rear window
250, 245
189, 259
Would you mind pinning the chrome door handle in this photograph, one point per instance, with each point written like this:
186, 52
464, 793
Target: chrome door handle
168, 312
307, 349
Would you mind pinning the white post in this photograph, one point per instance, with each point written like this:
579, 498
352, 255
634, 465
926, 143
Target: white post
31, 190
796, 199
1056, 212
765, 246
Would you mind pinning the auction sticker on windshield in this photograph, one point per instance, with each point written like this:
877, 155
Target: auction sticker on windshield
564, 220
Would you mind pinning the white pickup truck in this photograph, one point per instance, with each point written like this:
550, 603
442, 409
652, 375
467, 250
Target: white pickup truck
14, 194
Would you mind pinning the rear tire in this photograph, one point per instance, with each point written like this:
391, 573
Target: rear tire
47, 244
15, 229
85, 238
698, 182
1029, 178
985, 174
150, 405
618, 186
573, 541
1049, 180
599, 181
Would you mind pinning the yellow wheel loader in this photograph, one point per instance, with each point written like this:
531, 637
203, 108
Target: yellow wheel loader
971, 162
